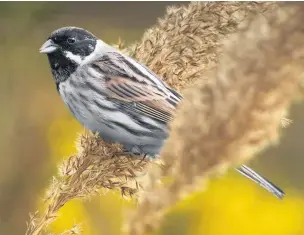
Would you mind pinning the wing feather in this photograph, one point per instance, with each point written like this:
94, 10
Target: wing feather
136, 87
145, 98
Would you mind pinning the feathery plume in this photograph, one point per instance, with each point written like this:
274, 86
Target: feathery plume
235, 114
186, 42
93, 168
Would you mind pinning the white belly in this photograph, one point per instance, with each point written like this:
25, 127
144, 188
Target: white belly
101, 120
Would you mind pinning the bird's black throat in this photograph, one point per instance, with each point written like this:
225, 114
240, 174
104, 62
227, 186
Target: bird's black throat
61, 66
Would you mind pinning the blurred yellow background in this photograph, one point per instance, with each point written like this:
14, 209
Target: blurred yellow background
37, 132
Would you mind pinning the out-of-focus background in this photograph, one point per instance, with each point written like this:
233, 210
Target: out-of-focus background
37, 132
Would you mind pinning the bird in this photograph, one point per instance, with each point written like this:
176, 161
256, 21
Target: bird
113, 94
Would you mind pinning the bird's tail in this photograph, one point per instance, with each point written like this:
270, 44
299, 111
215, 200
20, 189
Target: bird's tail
266, 184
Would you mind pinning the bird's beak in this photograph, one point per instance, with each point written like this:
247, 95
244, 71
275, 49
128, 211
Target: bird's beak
48, 47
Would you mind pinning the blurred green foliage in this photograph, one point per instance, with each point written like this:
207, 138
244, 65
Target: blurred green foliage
37, 132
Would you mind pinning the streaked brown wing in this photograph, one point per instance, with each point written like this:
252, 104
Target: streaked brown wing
145, 98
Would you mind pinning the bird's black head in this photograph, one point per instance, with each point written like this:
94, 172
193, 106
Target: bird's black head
66, 48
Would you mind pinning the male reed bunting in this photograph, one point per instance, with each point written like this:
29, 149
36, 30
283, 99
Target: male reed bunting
116, 96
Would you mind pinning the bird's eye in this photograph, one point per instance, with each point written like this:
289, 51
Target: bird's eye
71, 40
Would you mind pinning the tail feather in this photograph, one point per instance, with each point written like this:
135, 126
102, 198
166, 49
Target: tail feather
266, 184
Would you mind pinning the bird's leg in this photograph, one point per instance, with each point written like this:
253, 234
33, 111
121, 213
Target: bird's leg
135, 152
145, 155
123, 153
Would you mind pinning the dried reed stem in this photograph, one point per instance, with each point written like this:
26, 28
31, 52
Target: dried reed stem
180, 48
235, 114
